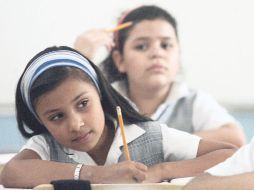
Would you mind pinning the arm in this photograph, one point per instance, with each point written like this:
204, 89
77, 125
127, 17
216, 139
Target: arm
230, 133
209, 154
212, 121
89, 42
237, 182
27, 170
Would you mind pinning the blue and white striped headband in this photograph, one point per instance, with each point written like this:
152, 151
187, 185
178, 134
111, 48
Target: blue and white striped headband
50, 60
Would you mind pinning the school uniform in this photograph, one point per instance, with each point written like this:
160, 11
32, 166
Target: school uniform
185, 109
240, 162
149, 143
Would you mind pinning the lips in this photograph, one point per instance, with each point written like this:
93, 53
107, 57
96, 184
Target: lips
157, 67
82, 138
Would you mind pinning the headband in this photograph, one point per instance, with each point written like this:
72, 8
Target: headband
49, 60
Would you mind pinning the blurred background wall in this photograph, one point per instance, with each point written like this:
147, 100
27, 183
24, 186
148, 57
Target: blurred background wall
216, 37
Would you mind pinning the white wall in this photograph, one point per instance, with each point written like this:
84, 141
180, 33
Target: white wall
216, 36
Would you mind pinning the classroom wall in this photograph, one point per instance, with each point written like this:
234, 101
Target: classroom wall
216, 37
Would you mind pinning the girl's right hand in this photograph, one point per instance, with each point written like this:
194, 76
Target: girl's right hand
90, 41
123, 172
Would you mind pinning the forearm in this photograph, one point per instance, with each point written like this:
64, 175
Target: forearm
193, 167
230, 133
208, 182
31, 172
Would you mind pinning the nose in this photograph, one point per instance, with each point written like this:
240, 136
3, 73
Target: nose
156, 50
75, 122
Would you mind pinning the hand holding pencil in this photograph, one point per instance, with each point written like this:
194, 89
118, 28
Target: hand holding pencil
89, 42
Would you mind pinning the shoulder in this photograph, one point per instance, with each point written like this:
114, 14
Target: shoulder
150, 125
156, 127
203, 95
121, 87
180, 90
38, 144
205, 101
37, 139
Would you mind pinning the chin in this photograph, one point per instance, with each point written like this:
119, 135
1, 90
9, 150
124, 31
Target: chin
159, 83
83, 147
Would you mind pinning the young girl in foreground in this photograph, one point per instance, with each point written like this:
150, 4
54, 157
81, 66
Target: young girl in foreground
68, 109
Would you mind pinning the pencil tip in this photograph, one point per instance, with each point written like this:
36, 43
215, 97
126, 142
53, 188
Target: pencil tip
118, 109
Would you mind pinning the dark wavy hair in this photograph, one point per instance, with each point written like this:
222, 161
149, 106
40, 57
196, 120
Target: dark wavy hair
148, 12
29, 126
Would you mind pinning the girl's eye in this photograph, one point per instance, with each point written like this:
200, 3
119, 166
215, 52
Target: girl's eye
141, 47
83, 103
56, 117
166, 45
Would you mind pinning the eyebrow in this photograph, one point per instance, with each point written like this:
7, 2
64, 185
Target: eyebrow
57, 109
147, 38
78, 96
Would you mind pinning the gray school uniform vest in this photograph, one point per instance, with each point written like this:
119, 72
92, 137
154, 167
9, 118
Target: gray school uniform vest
178, 114
146, 149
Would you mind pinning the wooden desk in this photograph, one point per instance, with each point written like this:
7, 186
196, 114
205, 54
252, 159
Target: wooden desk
152, 186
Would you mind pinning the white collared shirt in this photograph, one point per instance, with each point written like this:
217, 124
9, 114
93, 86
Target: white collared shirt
207, 113
177, 145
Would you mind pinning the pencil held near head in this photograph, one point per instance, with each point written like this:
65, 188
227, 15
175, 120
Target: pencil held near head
120, 27
89, 42
120, 120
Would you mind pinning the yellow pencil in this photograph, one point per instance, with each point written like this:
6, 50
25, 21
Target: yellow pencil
120, 27
120, 120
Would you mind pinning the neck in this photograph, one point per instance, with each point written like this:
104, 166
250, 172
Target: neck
148, 101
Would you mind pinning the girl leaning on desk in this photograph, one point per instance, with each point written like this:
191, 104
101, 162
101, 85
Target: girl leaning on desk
66, 108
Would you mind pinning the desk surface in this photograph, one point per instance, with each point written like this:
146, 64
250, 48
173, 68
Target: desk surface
151, 186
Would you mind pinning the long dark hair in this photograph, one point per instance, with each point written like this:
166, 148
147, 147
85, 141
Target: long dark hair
29, 126
136, 15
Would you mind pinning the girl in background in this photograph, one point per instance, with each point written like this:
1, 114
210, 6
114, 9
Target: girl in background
67, 109
143, 66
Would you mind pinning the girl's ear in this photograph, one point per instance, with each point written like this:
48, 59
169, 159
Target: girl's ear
118, 59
